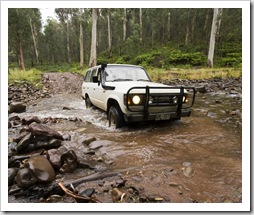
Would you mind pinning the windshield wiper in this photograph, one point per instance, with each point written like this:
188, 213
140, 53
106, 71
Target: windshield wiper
123, 79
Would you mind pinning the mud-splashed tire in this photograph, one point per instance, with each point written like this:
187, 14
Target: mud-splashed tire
115, 118
88, 102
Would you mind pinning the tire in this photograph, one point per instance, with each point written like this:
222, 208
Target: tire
88, 102
115, 117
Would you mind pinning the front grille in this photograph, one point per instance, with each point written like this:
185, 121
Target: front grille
161, 99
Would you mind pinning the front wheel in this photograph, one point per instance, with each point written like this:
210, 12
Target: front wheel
115, 117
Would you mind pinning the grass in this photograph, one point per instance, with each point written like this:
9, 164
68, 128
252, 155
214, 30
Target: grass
31, 76
194, 74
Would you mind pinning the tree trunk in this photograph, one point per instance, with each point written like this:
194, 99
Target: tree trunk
109, 35
68, 41
219, 20
93, 53
124, 24
19, 51
152, 34
35, 42
193, 21
215, 24
140, 26
168, 26
187, 31
81, 45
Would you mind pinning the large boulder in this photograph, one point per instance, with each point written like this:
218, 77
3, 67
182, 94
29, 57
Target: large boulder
25, 178
43, 130
41, 168
17, 107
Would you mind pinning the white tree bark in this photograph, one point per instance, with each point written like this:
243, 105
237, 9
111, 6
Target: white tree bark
81, 45
124, 24
35, 42
109, 34
140, 26
168, 26
215, 26
93, 53
68, 41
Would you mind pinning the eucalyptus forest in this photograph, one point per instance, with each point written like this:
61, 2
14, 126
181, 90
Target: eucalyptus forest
155, 38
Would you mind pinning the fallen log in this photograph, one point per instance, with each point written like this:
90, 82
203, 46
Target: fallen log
78, 198
54, 189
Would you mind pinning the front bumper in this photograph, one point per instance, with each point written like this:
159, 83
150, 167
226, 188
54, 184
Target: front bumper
154, 116
168, 110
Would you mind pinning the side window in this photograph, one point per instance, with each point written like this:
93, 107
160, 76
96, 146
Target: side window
99, 74
94, 73
88, 76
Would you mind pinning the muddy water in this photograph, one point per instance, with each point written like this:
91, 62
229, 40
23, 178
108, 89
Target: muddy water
152, 155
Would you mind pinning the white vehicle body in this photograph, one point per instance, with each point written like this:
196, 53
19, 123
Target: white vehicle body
129, 89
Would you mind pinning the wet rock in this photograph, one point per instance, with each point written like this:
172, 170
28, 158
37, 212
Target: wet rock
86, 164
17, 107
211, 114
30, 119
12, 148
43, 130
66, 137
24, 142
25, 178
41, 168
86, 140
201, 89
54, 143
13, 118
70, 162
20, 136
12, 172
98, 144
87, 192
62, 149
54, 157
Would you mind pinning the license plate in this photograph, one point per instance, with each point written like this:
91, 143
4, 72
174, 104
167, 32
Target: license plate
162, 117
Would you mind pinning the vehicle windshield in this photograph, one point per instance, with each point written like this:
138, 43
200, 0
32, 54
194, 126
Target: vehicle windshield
125, 73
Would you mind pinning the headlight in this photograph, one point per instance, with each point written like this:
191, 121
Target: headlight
133, 99
136, 99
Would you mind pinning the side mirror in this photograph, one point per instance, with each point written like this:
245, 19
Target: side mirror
95, 79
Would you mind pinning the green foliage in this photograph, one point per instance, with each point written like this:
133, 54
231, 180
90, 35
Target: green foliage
32, 76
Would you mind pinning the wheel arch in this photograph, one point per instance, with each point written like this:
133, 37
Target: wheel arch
112, 102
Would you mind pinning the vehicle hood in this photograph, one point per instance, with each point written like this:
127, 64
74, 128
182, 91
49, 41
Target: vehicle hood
125, 86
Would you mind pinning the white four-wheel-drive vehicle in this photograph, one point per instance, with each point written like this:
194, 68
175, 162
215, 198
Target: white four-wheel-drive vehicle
127, 94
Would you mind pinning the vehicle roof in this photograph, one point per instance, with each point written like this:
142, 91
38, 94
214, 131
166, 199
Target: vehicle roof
129, 65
